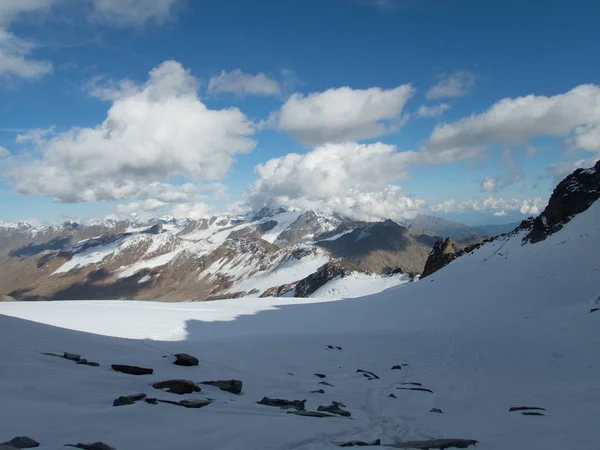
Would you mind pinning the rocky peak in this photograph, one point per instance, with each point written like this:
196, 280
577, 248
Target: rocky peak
573, 195
444, 251
268, 211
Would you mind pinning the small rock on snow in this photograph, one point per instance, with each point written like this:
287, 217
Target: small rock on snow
21, 442
183, 359
132, 370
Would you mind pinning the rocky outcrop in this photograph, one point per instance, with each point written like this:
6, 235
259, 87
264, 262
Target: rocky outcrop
325, 274
233, 386
572, 196
20, 442
443, 253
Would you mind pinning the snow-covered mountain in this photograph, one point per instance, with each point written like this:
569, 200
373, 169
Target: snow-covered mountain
496, 350
217, 257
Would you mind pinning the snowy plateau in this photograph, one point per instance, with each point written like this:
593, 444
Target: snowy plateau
510, 324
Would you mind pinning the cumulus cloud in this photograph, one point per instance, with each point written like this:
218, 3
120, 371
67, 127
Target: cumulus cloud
343, 114
351, 179
139, 210
195, 210
494, 184
454, 85
433, 111
514, 121
528, 207
241, 84
158, 131
108, 89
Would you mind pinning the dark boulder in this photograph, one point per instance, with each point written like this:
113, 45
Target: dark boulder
318, 391
526, 408
443, 253
21, 442
233, 386
335, 408
282, 403
132, 370
179, 387
368, 374
436, 410
440, 444
397, 367
128, 399
183, 359
320, 375
71, 356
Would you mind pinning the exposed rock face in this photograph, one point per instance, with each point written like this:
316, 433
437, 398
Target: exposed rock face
571, 196
325, 274
444, 252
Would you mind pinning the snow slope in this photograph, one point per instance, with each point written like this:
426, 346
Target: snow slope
359, 284
508, 325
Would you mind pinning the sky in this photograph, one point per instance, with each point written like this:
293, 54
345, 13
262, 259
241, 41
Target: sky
129, 109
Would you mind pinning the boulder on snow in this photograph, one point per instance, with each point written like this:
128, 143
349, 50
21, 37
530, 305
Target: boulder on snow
397, 367
93, 446
368, 374
188, 403
132, 370
183, 359
320, 375
128, 399
21, 442
358, 443
71, 356
282, 403
178, 387
526, 408
335, 408
233, 386
440, 444
436, 410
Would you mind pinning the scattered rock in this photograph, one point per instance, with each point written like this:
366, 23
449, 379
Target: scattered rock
531, 413
310, 414
194, 403
415, 389
326, 383
132, 370
233, 386
392, 395
358, 443
436, 410
320, 375
334, 347
440, 444
368, 374
526, 408
178, 387
94, 446
282, 403
318, 391
335, 408
183, 359
71, 356
397, 367
128, 399
21, 442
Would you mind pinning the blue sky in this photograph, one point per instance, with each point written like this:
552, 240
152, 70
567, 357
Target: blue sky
465, 109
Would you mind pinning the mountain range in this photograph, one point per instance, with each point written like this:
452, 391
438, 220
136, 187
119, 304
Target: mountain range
273, 251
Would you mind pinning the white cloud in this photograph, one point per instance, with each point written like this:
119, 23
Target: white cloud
491, 205
455, 85
108, 89
433, 111
160, 131
15, 58
343, 114
240, 83
140, 210
351, 179
560, 170
514, 121
133, 12
489, 184
4, 153
500, 213
197, 210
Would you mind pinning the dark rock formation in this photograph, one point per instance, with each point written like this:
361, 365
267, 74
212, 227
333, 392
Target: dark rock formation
443, 253
324, 275
179, 387
326, 383
320, 375
72, 356
368, 374
440, 444
21, 442
132, 370
194, 403
436, 410
318, 391
334, 347
183, 359
397, 367
572, 196
128, 399
526, 408
94, 446
335, 408
233, 386
531, 413
392, 395
282, 403
412, 384
415, 389
358, 443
